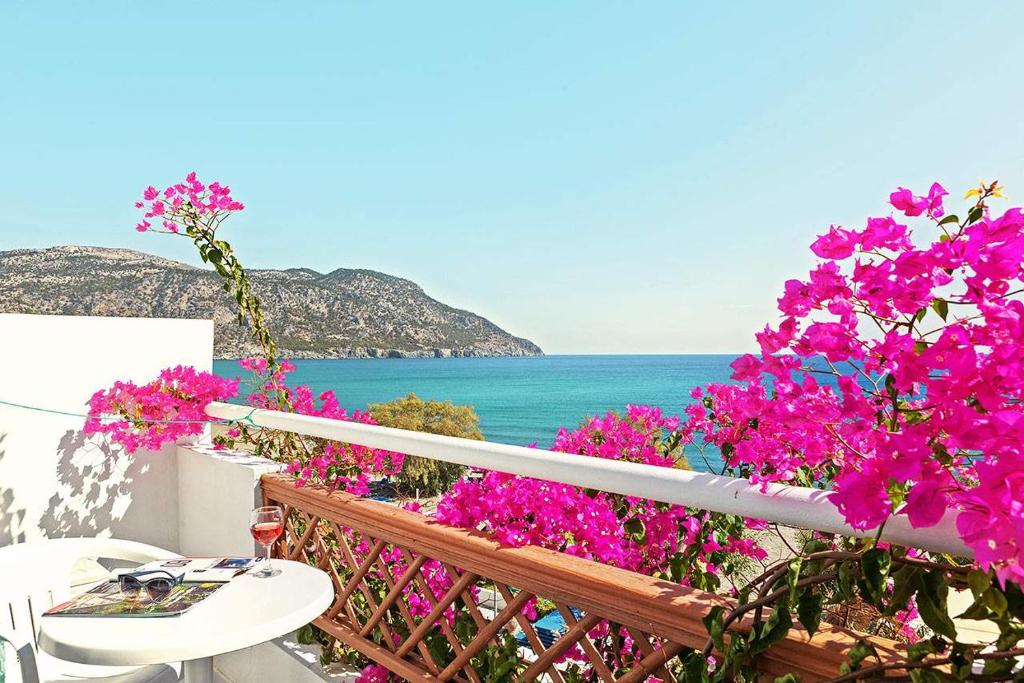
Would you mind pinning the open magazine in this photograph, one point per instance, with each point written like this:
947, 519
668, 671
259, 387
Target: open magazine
201, 578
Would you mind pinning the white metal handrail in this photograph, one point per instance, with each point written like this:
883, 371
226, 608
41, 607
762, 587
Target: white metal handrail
796, 506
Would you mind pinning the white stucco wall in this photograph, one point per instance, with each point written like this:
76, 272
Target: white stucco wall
53, 480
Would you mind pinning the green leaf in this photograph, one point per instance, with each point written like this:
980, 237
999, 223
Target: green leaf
979, 582
713, 623
1015, 600
1010, 635
792, 577
920, 650
875, 565
788, 678
977, 612
974, 215
951, 218
808, 611
774, 629
635, 528
995, 600
677, 567
931, 602
997, 667
694, 667
941, 306
903, 587
857, 654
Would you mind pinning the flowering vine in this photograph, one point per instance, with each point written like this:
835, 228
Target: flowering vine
173, 405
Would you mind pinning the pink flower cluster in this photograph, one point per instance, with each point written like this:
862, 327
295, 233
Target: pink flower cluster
373, 673
164, 410
631, 533
179, 206
332, 463
896, 377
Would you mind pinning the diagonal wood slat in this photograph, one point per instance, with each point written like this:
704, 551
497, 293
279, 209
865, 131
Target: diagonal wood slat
531, 635
311, 528
579, 630
467, 599
396, 590
652, 662
446, 628
596, 660
647, 650
368, 561
486, 634
437, 612
359, 569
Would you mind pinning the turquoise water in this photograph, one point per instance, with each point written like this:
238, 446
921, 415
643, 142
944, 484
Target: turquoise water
519, 400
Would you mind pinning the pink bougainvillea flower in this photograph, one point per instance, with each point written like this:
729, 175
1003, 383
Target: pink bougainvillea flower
837, 243
904, 200
182, 203
935, 194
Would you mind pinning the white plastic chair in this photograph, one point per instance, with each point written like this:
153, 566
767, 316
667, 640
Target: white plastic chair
36, 576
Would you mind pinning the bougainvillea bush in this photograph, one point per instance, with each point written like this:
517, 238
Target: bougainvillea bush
171, 407
633, 533
922, 333
893, 378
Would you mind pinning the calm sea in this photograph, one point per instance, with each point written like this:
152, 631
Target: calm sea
519, 400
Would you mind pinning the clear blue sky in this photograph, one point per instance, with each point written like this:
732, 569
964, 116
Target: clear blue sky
599, 177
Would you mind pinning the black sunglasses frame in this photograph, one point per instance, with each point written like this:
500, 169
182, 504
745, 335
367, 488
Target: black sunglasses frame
157, 575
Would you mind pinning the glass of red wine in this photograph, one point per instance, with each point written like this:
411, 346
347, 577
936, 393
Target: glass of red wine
266, 524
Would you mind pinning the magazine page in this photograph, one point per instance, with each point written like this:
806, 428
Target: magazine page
197, 569
106, 600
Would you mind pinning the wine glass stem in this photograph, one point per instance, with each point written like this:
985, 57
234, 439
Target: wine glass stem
267, 549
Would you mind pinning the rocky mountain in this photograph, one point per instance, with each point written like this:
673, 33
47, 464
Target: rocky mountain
342, 314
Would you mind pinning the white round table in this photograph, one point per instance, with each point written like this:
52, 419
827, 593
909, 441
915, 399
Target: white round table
246, 612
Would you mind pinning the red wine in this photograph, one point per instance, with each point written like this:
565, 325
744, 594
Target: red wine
266, 533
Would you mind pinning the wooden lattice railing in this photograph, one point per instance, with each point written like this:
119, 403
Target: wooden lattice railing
380, 558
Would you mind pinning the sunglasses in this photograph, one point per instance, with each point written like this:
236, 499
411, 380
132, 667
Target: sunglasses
158, 586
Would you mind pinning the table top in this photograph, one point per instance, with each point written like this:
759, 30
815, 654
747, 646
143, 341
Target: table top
246, 612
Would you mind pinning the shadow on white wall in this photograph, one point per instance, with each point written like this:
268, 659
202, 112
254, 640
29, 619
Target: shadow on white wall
93, 487
11, 516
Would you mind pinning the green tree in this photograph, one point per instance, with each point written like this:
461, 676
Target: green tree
428, 477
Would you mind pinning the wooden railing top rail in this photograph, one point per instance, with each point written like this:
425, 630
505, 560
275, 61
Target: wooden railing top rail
662, 608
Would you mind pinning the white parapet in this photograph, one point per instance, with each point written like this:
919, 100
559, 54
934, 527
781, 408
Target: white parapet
216, 492
796, 506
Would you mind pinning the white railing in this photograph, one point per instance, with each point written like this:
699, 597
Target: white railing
795, 506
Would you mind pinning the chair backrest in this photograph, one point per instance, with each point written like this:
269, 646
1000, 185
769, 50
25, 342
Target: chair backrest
35, 576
